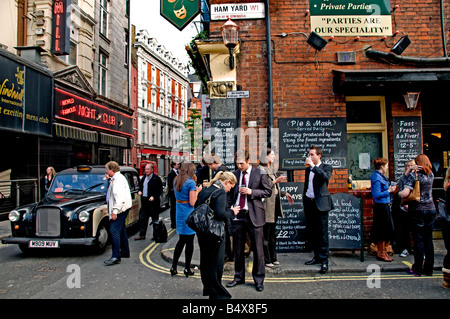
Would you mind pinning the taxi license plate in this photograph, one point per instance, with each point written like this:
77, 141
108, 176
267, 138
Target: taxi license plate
43, 244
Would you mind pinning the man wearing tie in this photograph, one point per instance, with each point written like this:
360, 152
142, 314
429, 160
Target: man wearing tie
150, 190
317, 202
252, 187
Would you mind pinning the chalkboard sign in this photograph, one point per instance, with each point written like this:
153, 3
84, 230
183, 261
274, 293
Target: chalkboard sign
290, 230
297, 135
345, 222
407, 142
223, 140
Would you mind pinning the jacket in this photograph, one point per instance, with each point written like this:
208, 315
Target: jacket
322, 196
270, 203
379, 185
119, 194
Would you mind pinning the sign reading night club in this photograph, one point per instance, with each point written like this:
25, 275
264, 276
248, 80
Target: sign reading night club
351, 18
180, 12
60, 27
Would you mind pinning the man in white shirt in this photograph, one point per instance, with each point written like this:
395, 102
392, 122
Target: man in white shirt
119, 203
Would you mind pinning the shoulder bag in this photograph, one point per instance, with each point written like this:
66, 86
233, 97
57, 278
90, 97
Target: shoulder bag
442, 215
414, 196
202, 221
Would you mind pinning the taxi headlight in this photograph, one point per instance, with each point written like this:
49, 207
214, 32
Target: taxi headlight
14, 216
83, 216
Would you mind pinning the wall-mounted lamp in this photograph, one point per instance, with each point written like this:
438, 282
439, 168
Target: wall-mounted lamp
230, 38
316, 41
411, 99
401, 45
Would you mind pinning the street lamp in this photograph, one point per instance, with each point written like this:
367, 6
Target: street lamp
411, 99
230, 38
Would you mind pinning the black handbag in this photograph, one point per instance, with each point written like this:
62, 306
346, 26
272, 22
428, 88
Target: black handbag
202, 221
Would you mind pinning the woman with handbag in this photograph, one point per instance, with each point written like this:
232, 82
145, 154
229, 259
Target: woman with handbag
186, 193
383, 225
422, 213
212, 252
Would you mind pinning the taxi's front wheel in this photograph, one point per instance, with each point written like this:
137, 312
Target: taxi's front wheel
102, 238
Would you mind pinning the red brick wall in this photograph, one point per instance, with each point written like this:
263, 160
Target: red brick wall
302, 85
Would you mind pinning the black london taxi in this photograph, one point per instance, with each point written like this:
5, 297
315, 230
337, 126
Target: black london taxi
73, 212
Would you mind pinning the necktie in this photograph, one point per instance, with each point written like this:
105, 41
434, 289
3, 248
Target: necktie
242, 198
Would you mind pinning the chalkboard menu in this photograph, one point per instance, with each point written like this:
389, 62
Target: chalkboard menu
290, 230
298, 134
345, 222
223, 140
407, 142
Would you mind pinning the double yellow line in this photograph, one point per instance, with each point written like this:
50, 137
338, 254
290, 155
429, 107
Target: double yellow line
146, 260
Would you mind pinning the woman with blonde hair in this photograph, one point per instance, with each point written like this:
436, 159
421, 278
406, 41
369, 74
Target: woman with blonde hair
212, 253
186, 193
422, 216
48, 178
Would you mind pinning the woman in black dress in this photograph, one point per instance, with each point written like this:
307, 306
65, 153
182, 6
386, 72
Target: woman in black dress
212, 253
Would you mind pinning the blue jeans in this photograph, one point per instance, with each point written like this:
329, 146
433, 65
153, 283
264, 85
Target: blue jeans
119, 236
422, 222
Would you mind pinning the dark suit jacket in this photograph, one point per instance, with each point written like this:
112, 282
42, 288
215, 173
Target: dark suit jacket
170, 178
261, 188
154, 188
322, 175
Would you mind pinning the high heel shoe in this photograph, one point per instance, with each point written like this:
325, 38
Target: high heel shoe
188, 272
173, 271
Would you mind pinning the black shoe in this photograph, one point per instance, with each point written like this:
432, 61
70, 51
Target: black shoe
313, 261
112, 261
323, 267
234, 284
259, 287
173, 271
188, 272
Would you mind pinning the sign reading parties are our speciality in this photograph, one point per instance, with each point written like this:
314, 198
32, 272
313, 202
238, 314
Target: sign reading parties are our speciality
351, 18
179, 12
25, 98
76, 109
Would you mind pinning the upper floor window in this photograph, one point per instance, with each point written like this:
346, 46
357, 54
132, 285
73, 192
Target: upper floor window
104, 17
102, 73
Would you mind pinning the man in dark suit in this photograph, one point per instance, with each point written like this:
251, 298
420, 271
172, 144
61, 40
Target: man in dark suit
173, 202
317, 202
251, 218
150, 190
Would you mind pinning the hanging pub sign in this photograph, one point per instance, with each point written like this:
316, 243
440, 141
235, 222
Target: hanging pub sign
180, 12
351, 18
76, 109
61, 27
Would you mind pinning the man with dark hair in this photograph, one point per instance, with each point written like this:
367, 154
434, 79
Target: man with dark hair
254, 186
173, 202
317, 203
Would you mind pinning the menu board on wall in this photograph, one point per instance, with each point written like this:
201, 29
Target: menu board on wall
407, 142
223, 140
298, 134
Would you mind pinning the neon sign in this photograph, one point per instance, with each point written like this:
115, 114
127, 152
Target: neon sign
61, 31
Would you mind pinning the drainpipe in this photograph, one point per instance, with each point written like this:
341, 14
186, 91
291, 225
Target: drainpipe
398, 59
444, 41
269, 72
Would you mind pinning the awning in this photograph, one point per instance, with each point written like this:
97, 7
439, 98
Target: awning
113, 140
75, 133
385, 80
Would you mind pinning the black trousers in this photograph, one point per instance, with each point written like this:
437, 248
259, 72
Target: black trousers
317, 229
239, 230
211, 267
147, 210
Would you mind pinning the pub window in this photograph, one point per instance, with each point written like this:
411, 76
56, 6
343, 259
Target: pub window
102, 73
367, 136
104, 17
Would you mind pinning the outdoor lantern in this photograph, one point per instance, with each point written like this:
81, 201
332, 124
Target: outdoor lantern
411, 99
230, 39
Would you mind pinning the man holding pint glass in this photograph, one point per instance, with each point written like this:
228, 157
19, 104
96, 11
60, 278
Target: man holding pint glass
317, 203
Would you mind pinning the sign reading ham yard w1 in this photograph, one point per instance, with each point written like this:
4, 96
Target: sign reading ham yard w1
351, 18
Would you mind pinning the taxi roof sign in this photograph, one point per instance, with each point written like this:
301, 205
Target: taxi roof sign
179, 12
